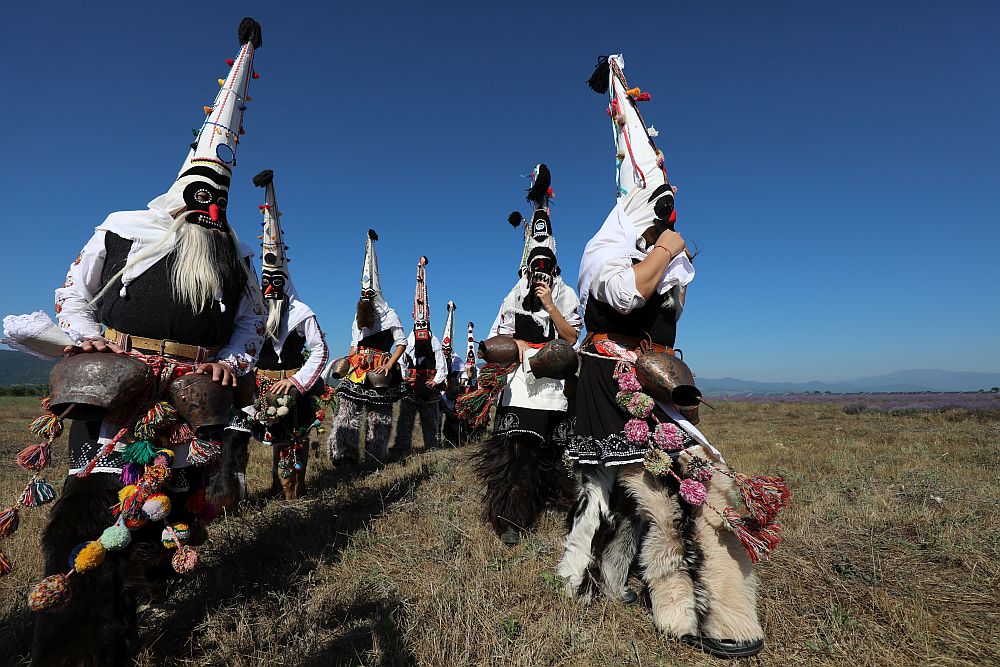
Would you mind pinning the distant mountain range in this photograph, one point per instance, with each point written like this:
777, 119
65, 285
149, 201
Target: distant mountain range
911, 380
18, 368
21, 368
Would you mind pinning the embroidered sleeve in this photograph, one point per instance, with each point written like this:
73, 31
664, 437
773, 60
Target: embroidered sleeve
74, 310
318, 356
241, 352
441, 366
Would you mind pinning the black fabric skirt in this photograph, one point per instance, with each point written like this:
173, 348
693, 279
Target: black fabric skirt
598, 437
548, 427
369, 394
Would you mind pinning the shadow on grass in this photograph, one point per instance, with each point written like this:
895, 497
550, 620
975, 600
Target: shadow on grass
260, 560
376, 639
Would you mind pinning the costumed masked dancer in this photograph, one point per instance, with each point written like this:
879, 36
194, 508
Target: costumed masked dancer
425, 370
368, 378
451, 427
164, 313
654, 492
521, 464
284, 413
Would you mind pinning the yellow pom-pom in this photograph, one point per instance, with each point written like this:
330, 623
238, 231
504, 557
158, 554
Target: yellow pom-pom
126, 491
633, 92
89, 557
222, 82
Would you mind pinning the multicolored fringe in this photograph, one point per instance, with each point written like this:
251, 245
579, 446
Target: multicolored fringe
474, 408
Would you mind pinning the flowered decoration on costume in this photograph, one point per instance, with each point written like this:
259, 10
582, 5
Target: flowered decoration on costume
672, 456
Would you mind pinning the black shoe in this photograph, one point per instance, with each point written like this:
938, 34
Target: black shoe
511, 537
725, 648
629, 596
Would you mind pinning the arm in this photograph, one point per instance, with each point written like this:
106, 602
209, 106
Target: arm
441, 365
318, 355
239, 355
565, 330
74, 310
649, 271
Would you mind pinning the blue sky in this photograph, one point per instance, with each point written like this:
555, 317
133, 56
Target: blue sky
837, 162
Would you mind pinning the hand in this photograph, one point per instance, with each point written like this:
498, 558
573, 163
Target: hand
384, 369
430, 383
220, 373
521, 347
544, 294
672, 241
92, 346
282, 387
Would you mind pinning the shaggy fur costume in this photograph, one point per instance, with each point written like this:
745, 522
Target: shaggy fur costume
699, 578
345, 435
521, 477
430, 424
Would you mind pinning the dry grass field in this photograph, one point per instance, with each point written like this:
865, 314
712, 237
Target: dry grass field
891, 557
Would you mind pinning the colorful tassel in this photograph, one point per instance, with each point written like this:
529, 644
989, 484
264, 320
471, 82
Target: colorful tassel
9, 521
157, 418
140, 451
758, 540
51, 592
46, 426
203, 451
5, 566
131, 473
185, 560
474, 408
763, 496
35, 457
207, 110
37, 493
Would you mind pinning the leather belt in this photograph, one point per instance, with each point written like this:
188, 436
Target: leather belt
629, 342
278, 375
170, 348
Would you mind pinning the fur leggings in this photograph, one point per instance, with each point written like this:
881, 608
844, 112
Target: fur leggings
521, 476
700, 579
345, 435
430, 424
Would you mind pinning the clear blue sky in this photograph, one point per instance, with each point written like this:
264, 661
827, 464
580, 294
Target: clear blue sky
837, 162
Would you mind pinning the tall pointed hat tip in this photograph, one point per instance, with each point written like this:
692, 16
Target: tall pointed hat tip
249, 31
372, 235
264, 178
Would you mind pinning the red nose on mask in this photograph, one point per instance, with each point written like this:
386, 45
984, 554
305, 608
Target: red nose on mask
672, 219
270, 288
213, 212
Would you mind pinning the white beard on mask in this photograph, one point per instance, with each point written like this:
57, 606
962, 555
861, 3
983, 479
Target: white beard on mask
275, 309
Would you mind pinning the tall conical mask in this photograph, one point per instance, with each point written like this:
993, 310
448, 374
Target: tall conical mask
639, 164
470, 353
421, 306
204, 178
449, 329
538, 258
274, 276
371, 284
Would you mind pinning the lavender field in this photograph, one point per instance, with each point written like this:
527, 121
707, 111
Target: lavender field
888, 403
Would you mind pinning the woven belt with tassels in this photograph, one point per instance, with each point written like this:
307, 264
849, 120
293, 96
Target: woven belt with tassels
169, 348
277, 375
629, 342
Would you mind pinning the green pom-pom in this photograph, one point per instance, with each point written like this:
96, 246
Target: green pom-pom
140, 451
116, 537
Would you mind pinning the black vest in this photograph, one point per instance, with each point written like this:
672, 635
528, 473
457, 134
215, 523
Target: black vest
291, 353
652, 319
528, 330
149, 309
380, 340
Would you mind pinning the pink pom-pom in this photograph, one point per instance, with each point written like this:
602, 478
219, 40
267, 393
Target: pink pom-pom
184, 560
640, 405
693, 492
637, 430
668, 437
629, 382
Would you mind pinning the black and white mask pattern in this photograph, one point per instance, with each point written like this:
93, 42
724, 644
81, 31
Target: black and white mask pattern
206, 196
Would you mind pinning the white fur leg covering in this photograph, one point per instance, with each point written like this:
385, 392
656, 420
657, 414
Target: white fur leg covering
671, 589
378, 428
592, 507
621, 550
344, 434
727, 580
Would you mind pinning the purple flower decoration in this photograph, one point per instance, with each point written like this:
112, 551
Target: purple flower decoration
629, 382
637, 430
693, 492
668, 437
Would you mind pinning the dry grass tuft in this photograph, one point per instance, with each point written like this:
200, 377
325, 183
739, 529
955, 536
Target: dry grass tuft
891, 558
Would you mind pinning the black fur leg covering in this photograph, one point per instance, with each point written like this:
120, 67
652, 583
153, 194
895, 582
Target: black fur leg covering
508, 466
405, 424
97, 625
430, 423
228, 485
